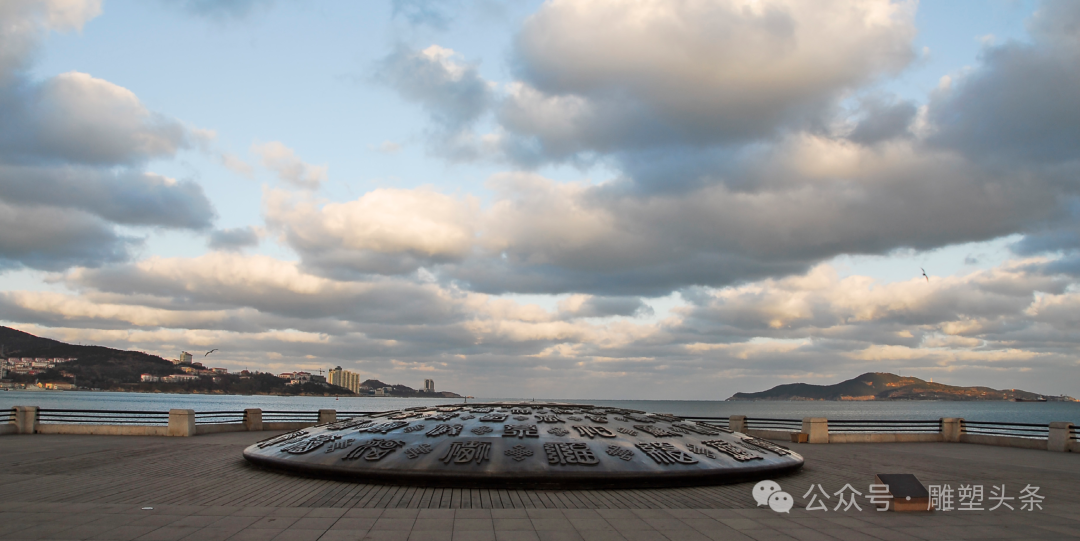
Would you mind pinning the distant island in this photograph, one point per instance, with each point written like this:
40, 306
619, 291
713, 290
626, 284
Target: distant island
885, 386
28, 361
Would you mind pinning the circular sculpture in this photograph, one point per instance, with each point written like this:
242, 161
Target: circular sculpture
529, 444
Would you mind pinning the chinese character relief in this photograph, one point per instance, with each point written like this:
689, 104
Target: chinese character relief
481, 430
666, 453
640, 418
406, 415
593, 431
731, 450
494, 417
621, 419
575, 454
520, 411
547, 419
349, 423
422, 449
518, 452
704, 430
277, 440
574, 418
308, 445
467, 417
596, 418
520, 431
521, 418
373, 450
339, 444
414, 428
657, 431
481, 410
443, 416
679, 430
627, 431
620, 452
752, 442
383, 428
558, 431
447, 430
699, 450
464, 452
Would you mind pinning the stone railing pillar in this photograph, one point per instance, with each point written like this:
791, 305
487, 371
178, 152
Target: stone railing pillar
1059, 439
253, 419
737, 423
951, 428
816, 429
327, 416
181, 422
26, 418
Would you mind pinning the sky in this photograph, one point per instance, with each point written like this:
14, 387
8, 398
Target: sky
676, 199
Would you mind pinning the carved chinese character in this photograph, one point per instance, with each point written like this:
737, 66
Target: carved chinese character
450, 430
481, 410
278, 440
657, 431
666, 417
373, 450
621, 419
446, 416
467, 417
639, 418
575, 454
520, 411
620, 452
414, 452
666, 453
481, 430
494, 417
704, 430
548, 419
593, 431
463, 452
574, 418
558, 431
383, 428
520, 431
310, 444
596, 418
414, 428
751, 442
352, 422
732, 450
406, 415
518, 452
627, 431
699, 450
521, 418
339, 444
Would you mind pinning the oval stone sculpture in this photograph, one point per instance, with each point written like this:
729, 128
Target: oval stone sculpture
525, 445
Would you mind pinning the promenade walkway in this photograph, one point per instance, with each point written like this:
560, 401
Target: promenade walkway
95, 487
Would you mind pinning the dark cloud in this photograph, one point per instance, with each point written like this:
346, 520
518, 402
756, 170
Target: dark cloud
233, 239
882, 120
453, 93
49, 238
607, 306
433, 13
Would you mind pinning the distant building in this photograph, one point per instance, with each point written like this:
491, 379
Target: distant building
185, 357
179, 378
149, 378
220, 370
380, 392
60, 386
345, 378
429, 385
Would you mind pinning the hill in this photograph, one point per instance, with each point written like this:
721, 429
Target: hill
403, 390
885, 386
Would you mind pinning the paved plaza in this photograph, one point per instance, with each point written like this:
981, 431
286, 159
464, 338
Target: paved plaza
96, 487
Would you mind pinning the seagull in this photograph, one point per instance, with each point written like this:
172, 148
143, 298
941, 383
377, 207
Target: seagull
209, 352
924, 275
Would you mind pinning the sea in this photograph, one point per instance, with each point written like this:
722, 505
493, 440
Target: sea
1000, 412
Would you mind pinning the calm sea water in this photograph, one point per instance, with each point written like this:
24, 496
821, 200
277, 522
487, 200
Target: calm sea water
1008, 412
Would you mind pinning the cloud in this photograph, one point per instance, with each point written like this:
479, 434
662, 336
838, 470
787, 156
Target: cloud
49, 238
453, 94
26, 23
883, 120
608, 76
423, 12
388, 147
237, 165
233, 239
593, 306
288, 166
222, 9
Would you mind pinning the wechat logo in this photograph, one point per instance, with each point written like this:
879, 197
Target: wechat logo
769, 493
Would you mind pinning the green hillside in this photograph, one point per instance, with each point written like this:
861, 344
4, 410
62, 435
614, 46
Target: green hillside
884, 386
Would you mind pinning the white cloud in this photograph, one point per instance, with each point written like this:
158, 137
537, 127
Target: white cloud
284, 162
237, 165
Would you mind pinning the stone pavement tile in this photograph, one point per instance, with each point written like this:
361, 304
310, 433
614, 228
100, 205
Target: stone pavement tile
601, 535
254, 511
629, 524
1072, 531
702, 524
400, 513
273, 523
217, 510
342, 535
363, 513
196, 521
558, 535
326, 512
114, 520
779, 523
918, 532
314, 523
509, 513
167, 533
296, 512
439, 513
177, 509
234, 522
807, 534
848, 522
473, 513
387, 535
353, 524
396, 524
667, 524
888, 534
686, 513
75, 519
741, 523
40, 531
591, 524
211, 534
581, 513
516, 535
433, 524
36, 517
754, 512
847, 534
479, 535
83, 531
124, 533
431, 535
294, 534
767, 535
644, 535
721, 513
512, 524
652, 513
254, 535
548, 524
473, 524
545, 513
616, 513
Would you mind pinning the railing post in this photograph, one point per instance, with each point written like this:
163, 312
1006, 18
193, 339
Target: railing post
737, 423
253, 419
951, 428
816, 429
1060, 437
181, 422
327, 416
26, 418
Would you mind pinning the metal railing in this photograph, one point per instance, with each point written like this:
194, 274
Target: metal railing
7, 416
290, 416
1073, 434
783, 425
884, 426
102, 417
719, 422
219, 417
1015, 430
347, 414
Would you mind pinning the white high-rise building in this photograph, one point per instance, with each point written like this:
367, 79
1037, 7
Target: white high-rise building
185, 357
429, 385
345, 378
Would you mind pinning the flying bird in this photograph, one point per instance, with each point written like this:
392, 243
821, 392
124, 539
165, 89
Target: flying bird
924, 275
209, 352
